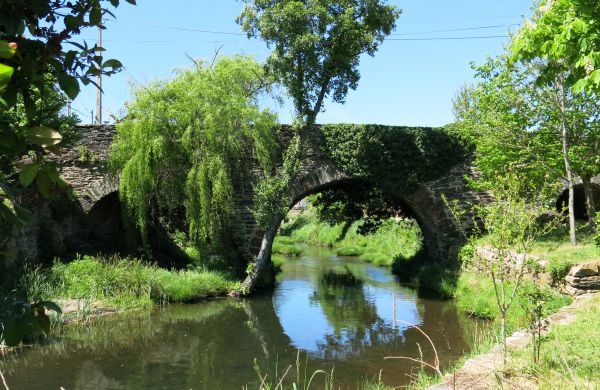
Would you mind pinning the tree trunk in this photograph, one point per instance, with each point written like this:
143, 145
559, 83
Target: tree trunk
569, 172
590, 202
263, 258
503, 331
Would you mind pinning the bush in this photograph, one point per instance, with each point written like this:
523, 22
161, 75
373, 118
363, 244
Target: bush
558, 269
436, 280
287, 250
377, 258
349, 251
131, 282
284, 240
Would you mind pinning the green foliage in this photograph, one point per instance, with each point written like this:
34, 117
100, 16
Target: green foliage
132, 280
184, 142
394, 158
475, 295
33, 68
286, 249
389, 162
569, 354
566, 33
26, 321
317, 45
558, 269
391, 241
270, 194
349, 251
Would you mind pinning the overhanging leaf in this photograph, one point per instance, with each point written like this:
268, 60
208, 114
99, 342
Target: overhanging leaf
50, 306
69, 85
28, 173
43, 136
6, 51
43, 184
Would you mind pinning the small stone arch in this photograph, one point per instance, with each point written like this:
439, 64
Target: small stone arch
95, 191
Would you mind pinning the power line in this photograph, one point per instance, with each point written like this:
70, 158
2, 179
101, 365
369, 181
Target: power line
179, 28
456, 29
448, 38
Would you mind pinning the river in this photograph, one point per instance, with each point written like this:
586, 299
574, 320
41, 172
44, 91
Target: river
329, 312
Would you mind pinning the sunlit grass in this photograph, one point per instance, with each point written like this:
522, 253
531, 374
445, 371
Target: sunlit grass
393, 239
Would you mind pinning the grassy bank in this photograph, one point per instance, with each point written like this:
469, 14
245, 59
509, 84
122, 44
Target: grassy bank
393, 240
570, 354
122, 283
475, 295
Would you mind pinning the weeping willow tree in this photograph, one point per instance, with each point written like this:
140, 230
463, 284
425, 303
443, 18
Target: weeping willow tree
184, 141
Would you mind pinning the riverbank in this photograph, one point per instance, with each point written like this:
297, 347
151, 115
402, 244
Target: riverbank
90, 283
569, 355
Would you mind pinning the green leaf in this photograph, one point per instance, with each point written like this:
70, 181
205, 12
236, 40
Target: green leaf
28, 173
12, 334
69, 85
96, 15
6, 51
43, 184
50, 306
131, 2
8, 213
52, 173
23, 214
6, 73
115, 64
43, 136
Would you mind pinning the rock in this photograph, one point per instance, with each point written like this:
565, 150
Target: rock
572, 280
589, 283
586, 269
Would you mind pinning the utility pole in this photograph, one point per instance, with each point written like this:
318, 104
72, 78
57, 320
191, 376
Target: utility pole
99, 82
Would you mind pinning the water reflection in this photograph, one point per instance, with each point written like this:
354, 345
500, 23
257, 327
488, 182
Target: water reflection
339, 311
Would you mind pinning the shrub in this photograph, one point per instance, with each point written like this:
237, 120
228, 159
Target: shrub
349, 251
377, 258
436, 280
558, 269
133, 283
287, 250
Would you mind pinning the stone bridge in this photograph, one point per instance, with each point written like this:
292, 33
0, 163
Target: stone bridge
83, 169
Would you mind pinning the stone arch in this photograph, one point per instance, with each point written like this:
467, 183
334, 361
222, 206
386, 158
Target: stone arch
441, 234
96, 190
102, 227
562, 203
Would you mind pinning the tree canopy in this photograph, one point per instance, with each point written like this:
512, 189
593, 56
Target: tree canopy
183, 143
566, 34
317, 44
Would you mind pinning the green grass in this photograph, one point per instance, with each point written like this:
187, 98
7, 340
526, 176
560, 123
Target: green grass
475, 295
130, 283
570, 354
349, 251
556, 247
391, 241
287, 250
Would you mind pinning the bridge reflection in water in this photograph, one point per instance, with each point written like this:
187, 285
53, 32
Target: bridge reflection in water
338, 312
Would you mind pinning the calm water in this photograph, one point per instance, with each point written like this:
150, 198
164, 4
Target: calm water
338, 312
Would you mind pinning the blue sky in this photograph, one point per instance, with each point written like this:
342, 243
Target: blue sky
408, 82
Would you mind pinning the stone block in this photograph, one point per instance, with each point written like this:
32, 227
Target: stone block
586, 269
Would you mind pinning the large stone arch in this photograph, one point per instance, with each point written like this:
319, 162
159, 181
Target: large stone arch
441, 233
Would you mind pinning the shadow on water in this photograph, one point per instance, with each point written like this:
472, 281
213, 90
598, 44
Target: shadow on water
338, 312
